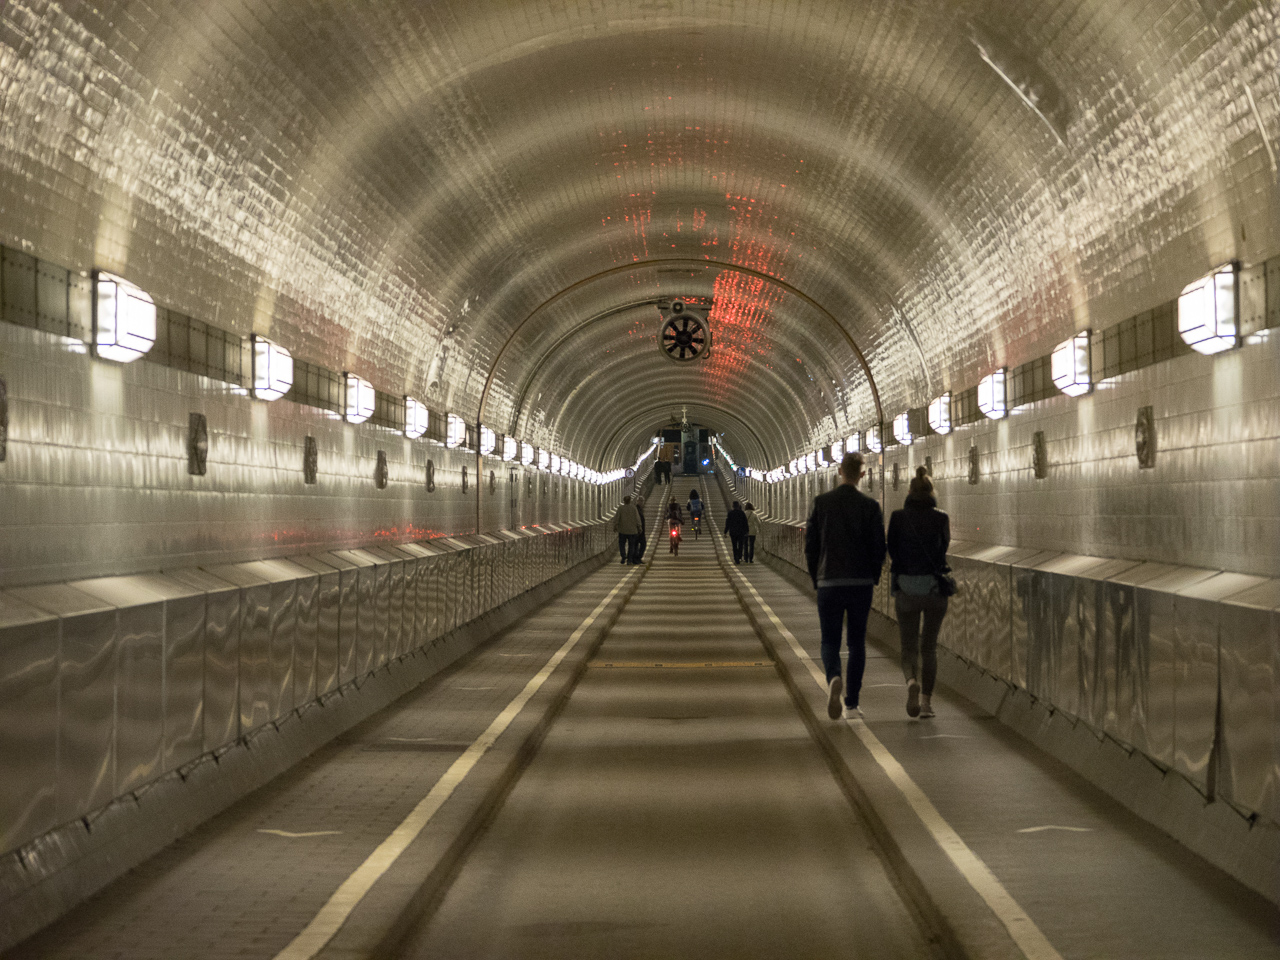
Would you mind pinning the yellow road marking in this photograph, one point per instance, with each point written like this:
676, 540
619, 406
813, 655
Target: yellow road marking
1029, 938
638, 665
339, 907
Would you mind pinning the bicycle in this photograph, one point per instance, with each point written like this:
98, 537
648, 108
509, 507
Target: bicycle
696, 524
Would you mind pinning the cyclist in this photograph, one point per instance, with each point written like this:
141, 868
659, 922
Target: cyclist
695, 512
675, 520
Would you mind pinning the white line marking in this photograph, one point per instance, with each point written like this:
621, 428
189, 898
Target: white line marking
345, 899
1029, 938
1054, 826
473, 688
945, 736
872, 686
411, 739
312, 833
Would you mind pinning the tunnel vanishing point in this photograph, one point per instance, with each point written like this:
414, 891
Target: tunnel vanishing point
332, 335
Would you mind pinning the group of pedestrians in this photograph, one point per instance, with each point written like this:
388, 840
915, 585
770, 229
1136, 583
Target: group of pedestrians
742, 526
845, 547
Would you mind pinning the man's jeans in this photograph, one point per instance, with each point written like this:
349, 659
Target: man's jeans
833, 604
749, 549
628, 547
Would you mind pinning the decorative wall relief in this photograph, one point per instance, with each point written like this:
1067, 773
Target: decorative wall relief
1039, 456
928, 466
528, 484
464, 478
431, 476
493, 483
310, 460
896, 475
197, 444
1144, 438
973, 464
380, 471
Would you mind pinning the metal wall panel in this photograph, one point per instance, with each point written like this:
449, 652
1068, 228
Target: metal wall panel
184, 693
307, 637
221, 656
139, 693
369, 616
1196, 679
326, 601
86, 696
254, 671
1250, 641
391, 582
348, 615
28, 721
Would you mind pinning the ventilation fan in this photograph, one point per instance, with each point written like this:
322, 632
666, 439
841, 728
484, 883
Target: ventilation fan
685, 335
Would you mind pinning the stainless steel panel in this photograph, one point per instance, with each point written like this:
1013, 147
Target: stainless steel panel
221, 655
184, 656
1249, 631
254, 669
392, 567
306, 643
86, 696
1196, 677
139, 691
327, 603
283, 576
28, 721
366, 646
348, 616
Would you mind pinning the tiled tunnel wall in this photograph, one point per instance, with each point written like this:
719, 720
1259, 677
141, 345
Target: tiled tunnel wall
95, 477
1211, 500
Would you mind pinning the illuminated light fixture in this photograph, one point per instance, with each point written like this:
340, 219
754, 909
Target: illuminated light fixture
991, 395
360, 399
1209, 310
124, 319
873, 439
853, 443
820, 457
526, 453
940, 414
455, 431
902, 430
272, 369
510, 448
554, 465
837, 451
416, 418
811, 461
488, 440
792, 468
544, 459
1069, 365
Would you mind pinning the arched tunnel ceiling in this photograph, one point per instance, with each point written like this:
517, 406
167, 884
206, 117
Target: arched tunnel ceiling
398, 188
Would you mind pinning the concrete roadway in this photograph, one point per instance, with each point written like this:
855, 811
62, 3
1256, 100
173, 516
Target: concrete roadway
679, 807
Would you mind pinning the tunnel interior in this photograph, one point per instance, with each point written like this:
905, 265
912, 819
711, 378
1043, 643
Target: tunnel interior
431, 288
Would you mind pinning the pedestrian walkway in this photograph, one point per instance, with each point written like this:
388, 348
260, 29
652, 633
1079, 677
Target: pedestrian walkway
678, 808
1094, 879
249, 881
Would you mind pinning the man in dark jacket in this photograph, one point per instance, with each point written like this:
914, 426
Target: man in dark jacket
735, 525
844, 547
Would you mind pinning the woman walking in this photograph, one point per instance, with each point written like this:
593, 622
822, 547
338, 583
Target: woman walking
919, 535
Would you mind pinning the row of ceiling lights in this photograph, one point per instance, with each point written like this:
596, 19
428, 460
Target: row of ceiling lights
1208, 322
125, 329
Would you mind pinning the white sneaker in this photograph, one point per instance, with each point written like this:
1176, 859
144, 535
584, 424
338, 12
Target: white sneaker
926, 708
853, 713
834, 691
913, 697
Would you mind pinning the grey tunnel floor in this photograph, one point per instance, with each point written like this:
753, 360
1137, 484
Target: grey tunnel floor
680, 810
